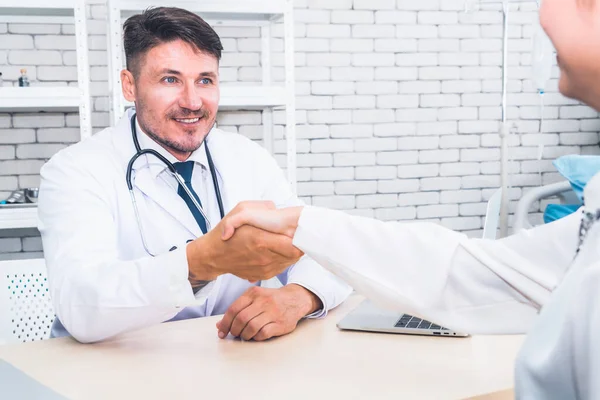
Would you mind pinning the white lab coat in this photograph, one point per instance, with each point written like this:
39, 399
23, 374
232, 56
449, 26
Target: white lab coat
102, 282
482, 286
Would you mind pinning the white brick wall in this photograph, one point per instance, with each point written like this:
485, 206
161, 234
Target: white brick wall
398, 107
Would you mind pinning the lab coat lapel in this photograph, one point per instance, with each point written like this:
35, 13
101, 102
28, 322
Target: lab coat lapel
166, 197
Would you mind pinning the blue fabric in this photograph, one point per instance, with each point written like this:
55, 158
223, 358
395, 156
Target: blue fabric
578, 170
185, 169
554, 212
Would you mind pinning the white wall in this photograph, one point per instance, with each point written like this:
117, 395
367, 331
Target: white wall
398, 107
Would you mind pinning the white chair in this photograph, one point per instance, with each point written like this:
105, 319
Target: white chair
492, 216
26, 312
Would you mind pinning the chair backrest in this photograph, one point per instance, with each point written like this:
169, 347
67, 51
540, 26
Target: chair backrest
492, 216
26, 312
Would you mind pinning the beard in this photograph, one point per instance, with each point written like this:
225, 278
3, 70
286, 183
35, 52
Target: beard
186, 144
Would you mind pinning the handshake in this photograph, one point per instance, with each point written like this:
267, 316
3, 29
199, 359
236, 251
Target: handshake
253, 242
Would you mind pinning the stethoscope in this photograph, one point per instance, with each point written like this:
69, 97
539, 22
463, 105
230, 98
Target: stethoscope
171, 168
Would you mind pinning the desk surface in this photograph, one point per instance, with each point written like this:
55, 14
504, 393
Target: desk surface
186, 360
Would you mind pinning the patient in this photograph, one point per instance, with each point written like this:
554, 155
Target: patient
544, 282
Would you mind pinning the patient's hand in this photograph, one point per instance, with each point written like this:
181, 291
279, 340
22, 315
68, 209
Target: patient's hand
283, 221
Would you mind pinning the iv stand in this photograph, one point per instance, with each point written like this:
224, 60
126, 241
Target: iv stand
504, 128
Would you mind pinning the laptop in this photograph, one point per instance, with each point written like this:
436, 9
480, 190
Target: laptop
370, 318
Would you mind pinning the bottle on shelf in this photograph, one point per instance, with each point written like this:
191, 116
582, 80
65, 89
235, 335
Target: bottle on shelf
23, 79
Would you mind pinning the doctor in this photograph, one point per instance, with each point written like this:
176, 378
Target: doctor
545, 281
126, 215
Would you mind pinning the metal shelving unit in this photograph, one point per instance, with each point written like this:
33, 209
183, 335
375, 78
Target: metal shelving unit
265, 97
51, 98
47, 98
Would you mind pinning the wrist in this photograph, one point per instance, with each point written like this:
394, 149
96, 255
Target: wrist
309, 301
200, 265
291, 217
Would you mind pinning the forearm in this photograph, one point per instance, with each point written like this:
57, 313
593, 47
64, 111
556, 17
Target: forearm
290, 220
97, 300
434, 272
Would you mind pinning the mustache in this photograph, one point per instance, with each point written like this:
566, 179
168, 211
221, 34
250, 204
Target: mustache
186, 113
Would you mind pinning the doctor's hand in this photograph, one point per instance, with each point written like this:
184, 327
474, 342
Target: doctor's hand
252, 254
263, 313
283, 221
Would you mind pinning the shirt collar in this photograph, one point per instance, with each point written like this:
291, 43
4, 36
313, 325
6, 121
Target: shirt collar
146, 142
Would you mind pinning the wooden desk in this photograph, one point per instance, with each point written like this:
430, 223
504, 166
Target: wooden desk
186, 360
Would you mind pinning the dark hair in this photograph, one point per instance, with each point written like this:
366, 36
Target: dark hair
155, 26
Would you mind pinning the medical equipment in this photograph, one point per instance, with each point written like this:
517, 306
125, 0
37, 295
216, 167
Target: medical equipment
22, 197
32, 194
504, 132
542, 60
171, 168
542, 57
578, 170
562, 190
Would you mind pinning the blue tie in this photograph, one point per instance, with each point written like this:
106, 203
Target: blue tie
185, 169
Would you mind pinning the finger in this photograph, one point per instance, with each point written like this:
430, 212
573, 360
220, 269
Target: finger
282, 245
255, 325
267, 220
224, 326
268, 331
242, 319
228, 231
234, 221
230, 223
256, 204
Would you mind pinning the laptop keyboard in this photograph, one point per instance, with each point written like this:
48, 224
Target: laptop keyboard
408, 321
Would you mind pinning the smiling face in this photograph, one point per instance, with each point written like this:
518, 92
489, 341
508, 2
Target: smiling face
176, 93
574, 28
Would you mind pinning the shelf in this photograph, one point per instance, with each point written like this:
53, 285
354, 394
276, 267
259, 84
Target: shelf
37, 11
42, 98
237, 10
16, 218
38, 6
248, 97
